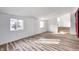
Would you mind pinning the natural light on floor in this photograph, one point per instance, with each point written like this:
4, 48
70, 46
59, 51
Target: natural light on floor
48, 41
62, 32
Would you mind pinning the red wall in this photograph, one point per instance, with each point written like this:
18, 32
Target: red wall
77, 23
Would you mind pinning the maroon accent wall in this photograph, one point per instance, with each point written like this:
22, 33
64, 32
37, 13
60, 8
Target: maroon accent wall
77, 22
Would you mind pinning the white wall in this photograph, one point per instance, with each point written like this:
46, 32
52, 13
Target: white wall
52, 25
31, 27
72, 29
68, 20
64, 20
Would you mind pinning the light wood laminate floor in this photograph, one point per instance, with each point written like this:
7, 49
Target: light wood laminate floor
44, 42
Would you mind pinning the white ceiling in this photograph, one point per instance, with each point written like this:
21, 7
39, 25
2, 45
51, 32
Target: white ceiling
43, 12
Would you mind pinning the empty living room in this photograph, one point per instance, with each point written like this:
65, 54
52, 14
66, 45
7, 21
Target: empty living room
39, 29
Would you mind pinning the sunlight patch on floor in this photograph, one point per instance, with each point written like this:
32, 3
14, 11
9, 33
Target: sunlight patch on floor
48, 41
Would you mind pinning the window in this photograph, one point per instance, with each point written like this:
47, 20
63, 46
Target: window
20, 25
41, 24
58, 20
16, 24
